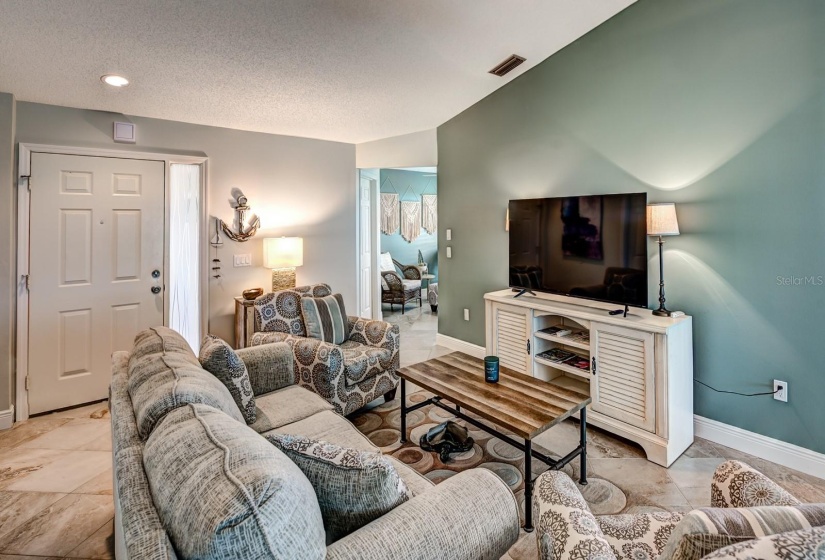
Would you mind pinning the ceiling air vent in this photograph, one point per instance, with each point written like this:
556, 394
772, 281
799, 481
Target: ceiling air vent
507, 65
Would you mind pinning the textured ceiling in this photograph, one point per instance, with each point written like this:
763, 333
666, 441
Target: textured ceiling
346, 70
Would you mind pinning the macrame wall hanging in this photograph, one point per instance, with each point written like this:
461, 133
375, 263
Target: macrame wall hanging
410, 220
389, 213
429, 213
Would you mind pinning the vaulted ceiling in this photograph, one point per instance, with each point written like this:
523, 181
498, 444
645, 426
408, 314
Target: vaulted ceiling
345, 70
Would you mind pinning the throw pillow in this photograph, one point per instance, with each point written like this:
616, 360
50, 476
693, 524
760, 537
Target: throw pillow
695, 546
325, 318
807, 544
353, 487
730, 524
219, 359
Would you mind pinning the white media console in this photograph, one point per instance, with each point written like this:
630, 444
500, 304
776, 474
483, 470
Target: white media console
640, 372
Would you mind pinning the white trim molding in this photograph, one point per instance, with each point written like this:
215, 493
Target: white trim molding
460, 346
764, 447
7, 418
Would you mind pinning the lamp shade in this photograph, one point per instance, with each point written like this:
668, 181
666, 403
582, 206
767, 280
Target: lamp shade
283, 252
661, 219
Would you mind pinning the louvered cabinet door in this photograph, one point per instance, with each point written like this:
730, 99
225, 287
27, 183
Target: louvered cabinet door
511, 332
623, 384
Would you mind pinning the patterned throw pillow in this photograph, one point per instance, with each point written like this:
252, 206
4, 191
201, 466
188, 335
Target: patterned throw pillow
702, 529
219, 359
808, 544
325, 318
353, 487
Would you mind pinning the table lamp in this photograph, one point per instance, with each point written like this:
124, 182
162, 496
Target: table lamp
661, 221
282, 255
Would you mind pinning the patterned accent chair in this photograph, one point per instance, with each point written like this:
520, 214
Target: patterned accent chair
349, 375
746, 505
398, 289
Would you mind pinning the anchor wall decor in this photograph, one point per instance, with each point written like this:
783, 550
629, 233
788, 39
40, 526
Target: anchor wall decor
241, 209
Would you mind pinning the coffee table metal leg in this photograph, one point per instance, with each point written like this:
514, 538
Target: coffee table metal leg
403, 411
528, 486
583, 443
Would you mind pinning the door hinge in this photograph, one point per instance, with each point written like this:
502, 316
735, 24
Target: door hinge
25, 279
27, 383
28, 179
528, 347
593, 363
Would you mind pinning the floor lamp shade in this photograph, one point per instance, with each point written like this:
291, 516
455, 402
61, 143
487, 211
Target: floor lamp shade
661, 221
282, 255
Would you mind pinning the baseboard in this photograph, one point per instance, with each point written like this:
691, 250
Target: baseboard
6, 418
460, 345
764, 447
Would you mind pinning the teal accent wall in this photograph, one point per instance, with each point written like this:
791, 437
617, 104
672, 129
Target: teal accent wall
410, 185
716, 106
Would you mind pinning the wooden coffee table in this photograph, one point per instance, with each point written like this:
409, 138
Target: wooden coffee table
521, 404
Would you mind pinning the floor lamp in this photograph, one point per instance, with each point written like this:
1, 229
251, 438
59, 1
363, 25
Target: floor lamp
661, 221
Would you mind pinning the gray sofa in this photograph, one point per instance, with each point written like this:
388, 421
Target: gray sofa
187, 470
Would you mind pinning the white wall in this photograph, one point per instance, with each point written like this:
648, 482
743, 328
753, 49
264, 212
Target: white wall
7, 251
419, 149
299, 187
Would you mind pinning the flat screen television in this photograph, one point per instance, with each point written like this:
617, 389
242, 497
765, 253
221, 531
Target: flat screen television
592, 247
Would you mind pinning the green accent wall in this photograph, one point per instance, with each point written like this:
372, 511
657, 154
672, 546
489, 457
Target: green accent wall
716, 106
410, 185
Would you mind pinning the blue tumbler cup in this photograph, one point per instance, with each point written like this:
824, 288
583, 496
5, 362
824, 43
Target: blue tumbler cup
491, 369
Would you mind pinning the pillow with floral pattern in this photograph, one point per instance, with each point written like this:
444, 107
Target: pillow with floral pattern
353, 487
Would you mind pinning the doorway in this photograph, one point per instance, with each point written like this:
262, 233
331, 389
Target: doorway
96, 230
408, 236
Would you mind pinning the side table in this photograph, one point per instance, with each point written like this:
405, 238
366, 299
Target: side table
244, 321
428, 278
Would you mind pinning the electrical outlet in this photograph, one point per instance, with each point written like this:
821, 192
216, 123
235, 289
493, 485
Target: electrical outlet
243, 259
449, 235
781, 390
466, 314
449, 252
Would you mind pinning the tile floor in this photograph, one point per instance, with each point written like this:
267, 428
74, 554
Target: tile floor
56, 486
56, 471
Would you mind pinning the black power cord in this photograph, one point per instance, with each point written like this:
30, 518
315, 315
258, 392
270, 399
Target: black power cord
734, 392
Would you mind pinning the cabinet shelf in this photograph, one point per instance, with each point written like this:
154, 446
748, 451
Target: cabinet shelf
570, 383
584, 374
565, 340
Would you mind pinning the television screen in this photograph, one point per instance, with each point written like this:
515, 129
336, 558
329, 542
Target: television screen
592, 247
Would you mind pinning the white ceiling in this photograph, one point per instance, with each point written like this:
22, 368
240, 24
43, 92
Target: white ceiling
346, 70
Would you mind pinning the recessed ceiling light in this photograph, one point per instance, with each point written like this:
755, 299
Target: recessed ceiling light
114, 80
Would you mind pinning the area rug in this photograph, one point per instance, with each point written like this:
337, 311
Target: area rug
381, 425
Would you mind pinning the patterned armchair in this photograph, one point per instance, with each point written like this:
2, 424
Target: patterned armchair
348, 375
744, 507
396, 288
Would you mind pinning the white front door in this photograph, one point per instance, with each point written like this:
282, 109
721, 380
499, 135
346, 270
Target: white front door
364, 248
96, 270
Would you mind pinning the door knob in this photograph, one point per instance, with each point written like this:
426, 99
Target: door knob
155, 289
156, 273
